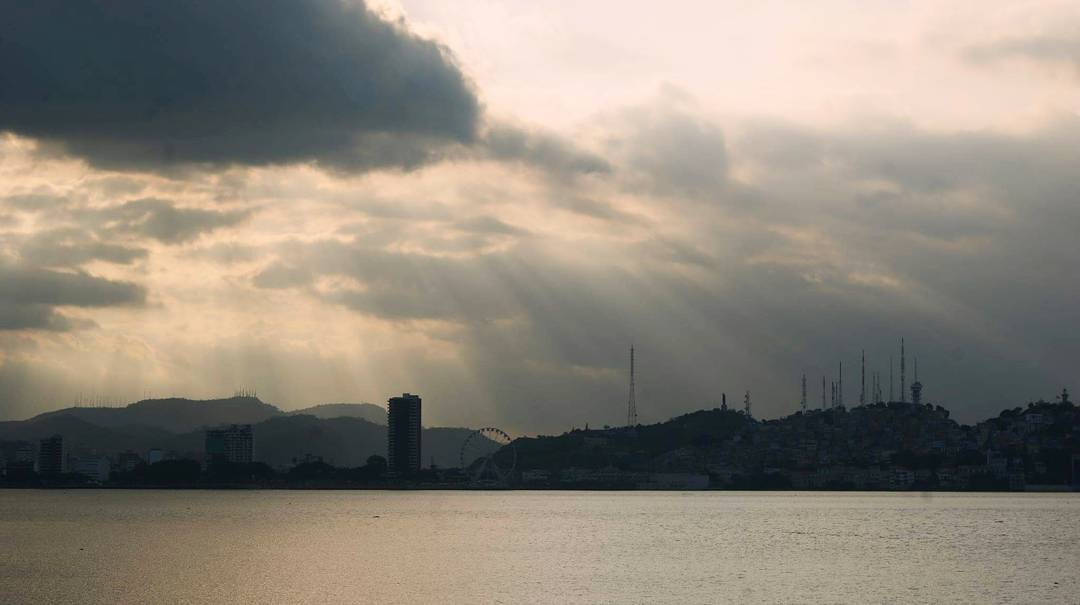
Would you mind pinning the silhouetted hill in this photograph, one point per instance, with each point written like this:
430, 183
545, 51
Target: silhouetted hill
81, 435
366, 411
174, 414
624, 448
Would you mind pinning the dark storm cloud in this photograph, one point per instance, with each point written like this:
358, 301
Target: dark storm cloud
280, 275
71, 247
164, 221
29, 296
545, 151
135, 84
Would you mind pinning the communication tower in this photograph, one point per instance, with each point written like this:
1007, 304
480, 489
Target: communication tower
903, 381
862, 392
631, 407
892, 392
840, 387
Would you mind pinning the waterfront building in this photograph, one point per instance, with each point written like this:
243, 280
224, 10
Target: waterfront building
51, 455
20, 459
403, 434
128, 461
232, 444
94, 468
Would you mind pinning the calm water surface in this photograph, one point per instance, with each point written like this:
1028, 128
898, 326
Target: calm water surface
536, 547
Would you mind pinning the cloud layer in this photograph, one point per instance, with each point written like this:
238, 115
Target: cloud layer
130, 84
506, 275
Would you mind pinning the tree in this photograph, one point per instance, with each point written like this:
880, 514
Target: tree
376, 464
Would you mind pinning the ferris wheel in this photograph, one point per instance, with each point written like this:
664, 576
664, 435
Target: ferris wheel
488, 457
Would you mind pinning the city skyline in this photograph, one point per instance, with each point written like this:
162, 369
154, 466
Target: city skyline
494, 204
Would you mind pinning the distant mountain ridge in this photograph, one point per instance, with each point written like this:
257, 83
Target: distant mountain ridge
344, 434
174, 414
179, 415
366, 411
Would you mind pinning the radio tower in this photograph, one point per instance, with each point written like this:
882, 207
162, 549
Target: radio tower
862, 393
802, 404
892, 392
840, 388
903, 395
746, 405
631, 407
823, 392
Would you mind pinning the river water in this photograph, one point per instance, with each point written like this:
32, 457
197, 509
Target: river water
112, 546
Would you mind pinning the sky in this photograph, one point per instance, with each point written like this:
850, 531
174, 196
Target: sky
487, 203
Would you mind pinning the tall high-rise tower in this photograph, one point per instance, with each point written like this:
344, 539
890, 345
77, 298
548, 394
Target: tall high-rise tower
403, 434
903, 381
631, 406
862, 391
802, 404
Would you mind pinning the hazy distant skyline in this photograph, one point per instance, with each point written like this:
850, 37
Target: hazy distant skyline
487, 203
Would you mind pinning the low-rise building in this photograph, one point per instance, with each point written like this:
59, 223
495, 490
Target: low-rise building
94, 468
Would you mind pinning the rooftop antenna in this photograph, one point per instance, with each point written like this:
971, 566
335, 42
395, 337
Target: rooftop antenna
631, 407
802, 404
862, 392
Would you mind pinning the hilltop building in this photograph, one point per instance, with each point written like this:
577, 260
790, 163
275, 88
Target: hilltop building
916, 387
51, 455
232, 444
403, 434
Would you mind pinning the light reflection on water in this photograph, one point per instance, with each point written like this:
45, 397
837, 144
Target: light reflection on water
528, 547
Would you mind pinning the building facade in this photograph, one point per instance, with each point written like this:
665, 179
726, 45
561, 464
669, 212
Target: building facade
94, 468
51, 455
233, 444
403, 434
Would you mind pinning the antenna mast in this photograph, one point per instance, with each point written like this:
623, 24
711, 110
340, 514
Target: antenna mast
862, 392
903, 382
892, 392
840, 387
631, 407
802, 404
